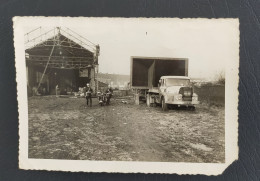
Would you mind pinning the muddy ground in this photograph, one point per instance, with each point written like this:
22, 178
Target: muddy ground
64, 128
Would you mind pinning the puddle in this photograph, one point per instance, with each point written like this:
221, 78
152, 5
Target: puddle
201, 147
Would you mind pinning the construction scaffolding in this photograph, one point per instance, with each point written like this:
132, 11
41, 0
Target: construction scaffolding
61, 49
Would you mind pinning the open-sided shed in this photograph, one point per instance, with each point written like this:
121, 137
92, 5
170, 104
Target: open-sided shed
65, 60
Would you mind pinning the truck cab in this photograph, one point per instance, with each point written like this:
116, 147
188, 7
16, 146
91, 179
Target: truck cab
174, 90
162, 81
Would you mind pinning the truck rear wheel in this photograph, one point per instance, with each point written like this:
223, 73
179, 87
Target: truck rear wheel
164, 105
148, 102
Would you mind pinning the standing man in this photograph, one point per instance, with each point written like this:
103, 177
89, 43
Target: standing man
57, 89
88, 95
109, 91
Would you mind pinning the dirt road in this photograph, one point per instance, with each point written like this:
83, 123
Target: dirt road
64, 128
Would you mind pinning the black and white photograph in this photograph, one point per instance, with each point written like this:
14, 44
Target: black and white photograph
149, 95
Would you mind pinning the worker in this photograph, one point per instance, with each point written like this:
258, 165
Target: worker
88, 95
109, 92
57, 90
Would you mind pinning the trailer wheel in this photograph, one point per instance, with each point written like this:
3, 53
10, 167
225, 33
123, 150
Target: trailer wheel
164, 105
148, 102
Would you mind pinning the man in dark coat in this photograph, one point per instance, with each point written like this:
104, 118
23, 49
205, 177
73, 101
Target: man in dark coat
88, 95
109, 91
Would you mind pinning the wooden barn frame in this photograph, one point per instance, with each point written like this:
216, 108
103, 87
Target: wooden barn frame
60, 58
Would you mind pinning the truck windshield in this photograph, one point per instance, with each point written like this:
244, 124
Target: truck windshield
182, 82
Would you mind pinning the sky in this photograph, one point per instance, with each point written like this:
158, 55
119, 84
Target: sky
208, 44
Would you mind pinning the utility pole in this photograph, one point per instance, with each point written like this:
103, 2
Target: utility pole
96, 65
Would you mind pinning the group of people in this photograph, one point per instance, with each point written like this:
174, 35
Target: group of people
88, 93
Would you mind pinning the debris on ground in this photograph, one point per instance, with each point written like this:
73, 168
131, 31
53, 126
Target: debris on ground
64, 128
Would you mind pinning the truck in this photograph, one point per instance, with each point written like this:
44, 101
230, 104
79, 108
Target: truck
162, 81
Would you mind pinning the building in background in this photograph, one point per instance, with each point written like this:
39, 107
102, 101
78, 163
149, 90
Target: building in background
116, 81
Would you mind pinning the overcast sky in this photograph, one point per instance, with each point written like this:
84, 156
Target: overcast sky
208, 44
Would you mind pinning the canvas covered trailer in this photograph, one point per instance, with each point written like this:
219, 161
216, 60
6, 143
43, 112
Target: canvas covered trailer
146, 71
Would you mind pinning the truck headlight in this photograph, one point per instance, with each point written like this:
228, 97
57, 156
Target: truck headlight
178, 97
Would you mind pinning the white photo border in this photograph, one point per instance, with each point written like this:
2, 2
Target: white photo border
231, 110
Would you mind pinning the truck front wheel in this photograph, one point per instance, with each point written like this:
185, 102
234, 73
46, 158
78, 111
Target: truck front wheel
164, 105
192, 108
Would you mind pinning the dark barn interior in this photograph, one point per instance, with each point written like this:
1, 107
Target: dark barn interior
61, 62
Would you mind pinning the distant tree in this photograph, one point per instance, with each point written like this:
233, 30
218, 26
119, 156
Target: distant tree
220, 77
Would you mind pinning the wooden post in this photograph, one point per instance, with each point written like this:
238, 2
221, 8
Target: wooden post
96, 71
137, 102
